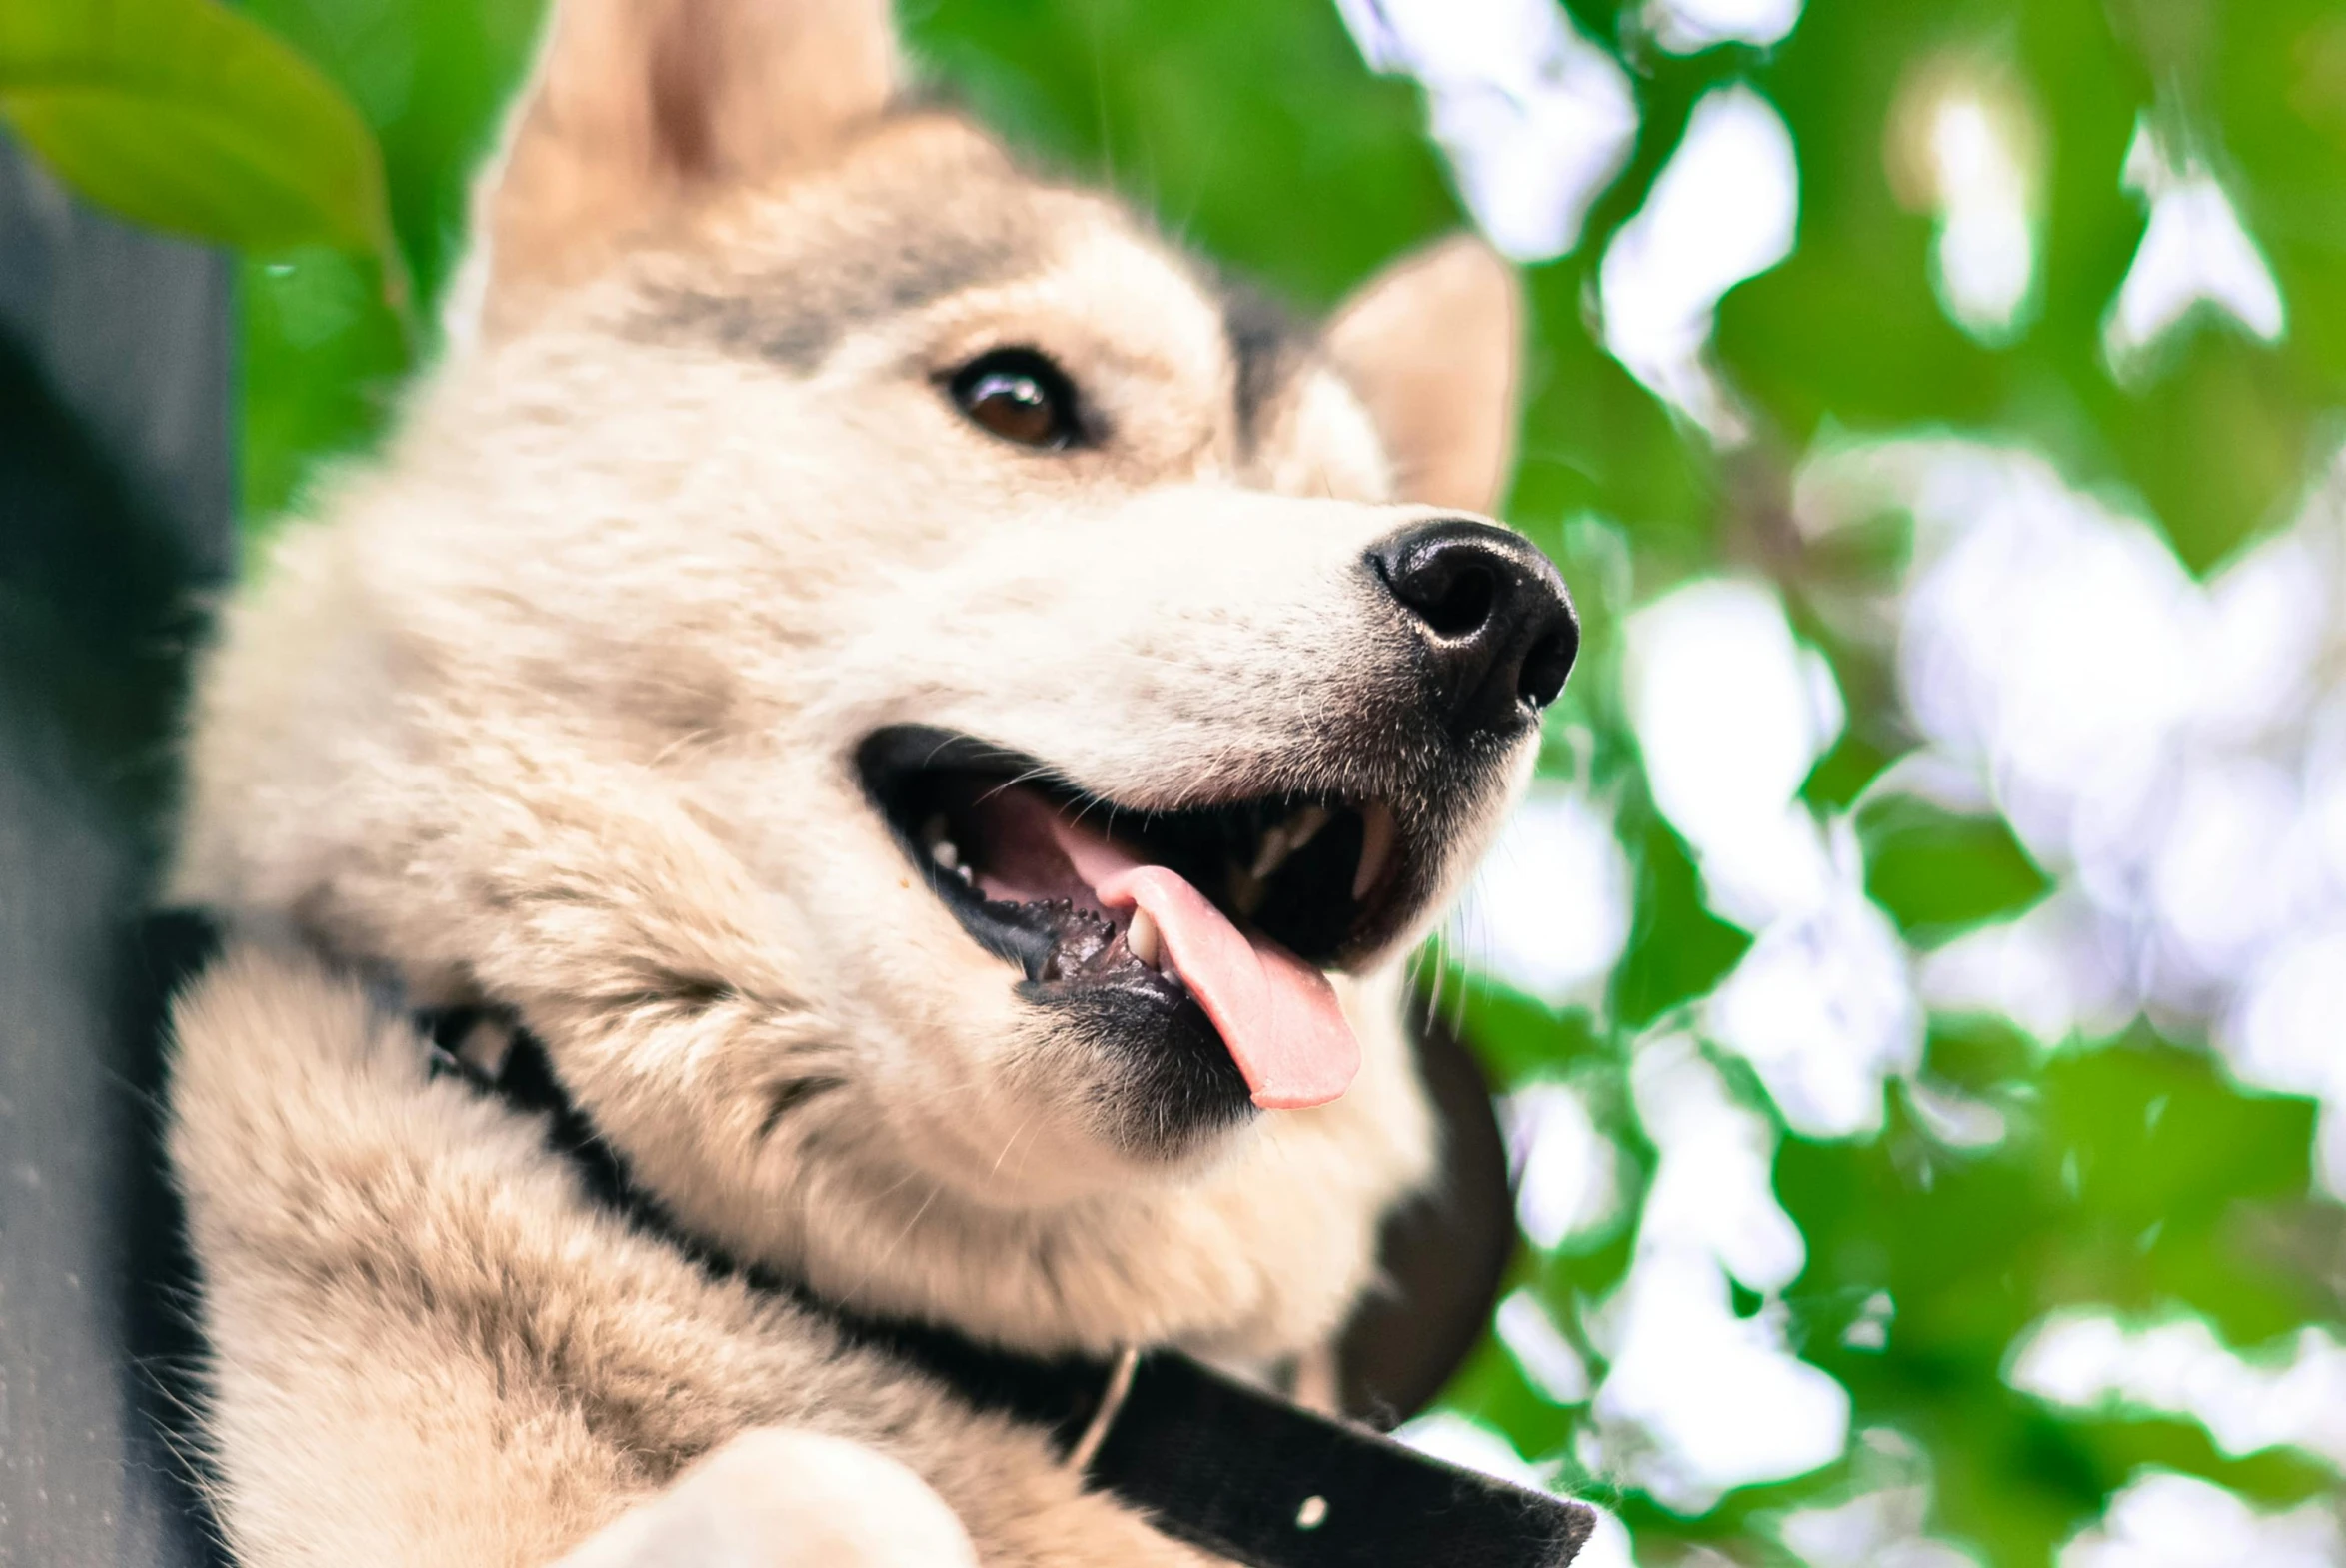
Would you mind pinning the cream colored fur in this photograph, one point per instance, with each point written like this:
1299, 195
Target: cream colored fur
553, 706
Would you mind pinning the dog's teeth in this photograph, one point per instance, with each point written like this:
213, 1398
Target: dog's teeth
1376, 848
1272, 853
945, 854
969, 878
1304, 825
1284, 840
1143, 939
1247, 891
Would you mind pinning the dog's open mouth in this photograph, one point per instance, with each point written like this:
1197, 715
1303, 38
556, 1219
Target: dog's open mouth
1237, 907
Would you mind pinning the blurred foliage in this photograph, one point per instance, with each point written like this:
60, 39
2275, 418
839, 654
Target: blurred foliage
2128, 1172
325, 349
2118, 1183
1939, 873
182, 115
2217, 444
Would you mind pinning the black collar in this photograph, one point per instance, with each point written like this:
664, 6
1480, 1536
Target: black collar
1237, 1471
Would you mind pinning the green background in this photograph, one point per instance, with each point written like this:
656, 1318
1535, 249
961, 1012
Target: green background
2134, 1174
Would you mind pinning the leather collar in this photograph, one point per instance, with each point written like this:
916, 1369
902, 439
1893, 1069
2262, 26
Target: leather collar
1235, 1470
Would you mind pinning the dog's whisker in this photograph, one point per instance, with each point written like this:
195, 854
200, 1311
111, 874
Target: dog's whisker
935, 1190
996, 1169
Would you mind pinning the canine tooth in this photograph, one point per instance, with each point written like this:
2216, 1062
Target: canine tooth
1376, 848
1304, 825
1247, 891
1284, 840
1143, 939
945, 854
1272, 853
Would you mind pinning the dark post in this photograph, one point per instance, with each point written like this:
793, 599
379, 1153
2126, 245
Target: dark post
115, 514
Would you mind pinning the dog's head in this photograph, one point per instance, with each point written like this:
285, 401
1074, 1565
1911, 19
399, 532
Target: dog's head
1090, 680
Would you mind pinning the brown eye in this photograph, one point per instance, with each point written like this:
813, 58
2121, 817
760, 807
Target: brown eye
1019, 395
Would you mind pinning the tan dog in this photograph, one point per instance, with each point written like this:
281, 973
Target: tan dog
937, 714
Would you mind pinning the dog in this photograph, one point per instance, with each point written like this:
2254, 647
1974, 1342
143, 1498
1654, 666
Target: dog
942, 719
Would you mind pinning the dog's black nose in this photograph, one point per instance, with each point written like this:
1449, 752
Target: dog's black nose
1493, 613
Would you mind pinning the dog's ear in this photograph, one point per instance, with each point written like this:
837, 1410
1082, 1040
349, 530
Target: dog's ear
1433, 346
640, 106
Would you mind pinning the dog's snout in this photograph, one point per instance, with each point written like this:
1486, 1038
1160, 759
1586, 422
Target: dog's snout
1495, 615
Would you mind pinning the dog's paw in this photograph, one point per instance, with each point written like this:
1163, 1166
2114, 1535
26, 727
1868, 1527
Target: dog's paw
784, 1498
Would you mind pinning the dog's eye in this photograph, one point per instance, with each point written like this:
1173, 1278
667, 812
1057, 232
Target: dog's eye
1019, 395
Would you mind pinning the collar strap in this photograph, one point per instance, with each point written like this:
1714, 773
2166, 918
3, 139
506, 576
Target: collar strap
1240, 1473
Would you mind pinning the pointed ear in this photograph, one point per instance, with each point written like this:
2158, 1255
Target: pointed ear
638, 106
1434, 346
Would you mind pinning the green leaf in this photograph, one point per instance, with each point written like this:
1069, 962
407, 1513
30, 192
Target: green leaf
183, 115
1516, 1038
1937, 873
431, 79
323, 357
1594, 440
1678, 949
322, 363
1841, 775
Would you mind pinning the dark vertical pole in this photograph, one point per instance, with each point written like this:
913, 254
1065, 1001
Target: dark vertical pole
115, 513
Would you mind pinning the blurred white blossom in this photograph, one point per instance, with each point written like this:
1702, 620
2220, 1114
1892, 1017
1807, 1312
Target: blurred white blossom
1695, 1400
1963, 143
1565, 1170
1878, 1529
1535, 118
1731, 713
2051, 969
1984, 257
1698, 1401
2164, 1520
1711, 1190
1469, 1444
1690, 26
1548, 913
1547, 1358
1724, 209
2167, 748
2047, 640
1824, 1009
2195, 252
2090, 1360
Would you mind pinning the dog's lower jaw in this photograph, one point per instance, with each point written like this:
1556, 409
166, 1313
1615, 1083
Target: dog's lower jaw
1254, 1253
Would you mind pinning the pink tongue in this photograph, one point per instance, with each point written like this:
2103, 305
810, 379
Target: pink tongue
1276, 1013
